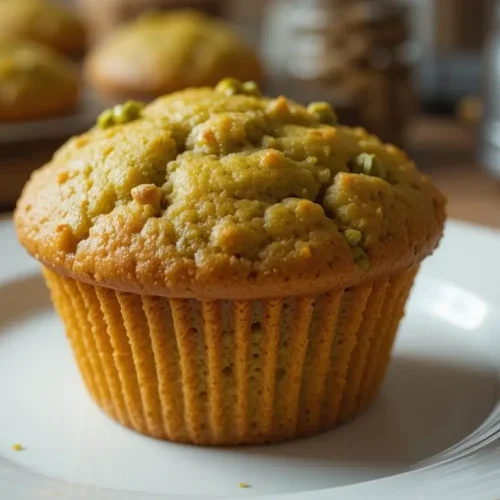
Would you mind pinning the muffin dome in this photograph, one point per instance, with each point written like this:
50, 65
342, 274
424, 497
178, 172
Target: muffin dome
41, 21
35, 82
222, 193
229, 269
164, 52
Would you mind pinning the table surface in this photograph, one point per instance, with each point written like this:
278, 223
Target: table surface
445, 150
442, 148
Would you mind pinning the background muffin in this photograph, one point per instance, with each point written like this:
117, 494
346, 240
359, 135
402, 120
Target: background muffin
42, 21
102, 17
35, 82
162, 52
230, 269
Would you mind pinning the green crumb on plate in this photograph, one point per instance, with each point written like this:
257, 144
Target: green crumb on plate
243, 485
17, 447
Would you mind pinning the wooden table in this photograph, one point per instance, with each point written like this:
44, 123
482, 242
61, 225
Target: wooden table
17, 161
445, 150
441, 147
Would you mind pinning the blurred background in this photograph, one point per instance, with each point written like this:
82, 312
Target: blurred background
422, 74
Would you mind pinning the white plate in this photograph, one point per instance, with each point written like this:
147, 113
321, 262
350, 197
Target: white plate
431, 433
80, 120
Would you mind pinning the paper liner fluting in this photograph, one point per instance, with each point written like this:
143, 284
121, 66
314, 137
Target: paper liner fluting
222, 372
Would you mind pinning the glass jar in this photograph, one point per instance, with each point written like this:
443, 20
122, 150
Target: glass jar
489, 138
358, 51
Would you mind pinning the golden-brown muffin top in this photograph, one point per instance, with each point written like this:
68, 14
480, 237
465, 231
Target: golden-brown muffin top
219, 192
41, 21
163, 52
30, 75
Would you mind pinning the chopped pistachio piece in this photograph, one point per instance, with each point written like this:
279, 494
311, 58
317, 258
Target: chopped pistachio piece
105, 119
243, 485
229, 86
17, 447
324, 175
269, 142
119, 114
353, 236
251, 88
323, 112
369, 164
360, 258
131, 110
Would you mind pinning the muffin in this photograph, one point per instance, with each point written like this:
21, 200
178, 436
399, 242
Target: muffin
229, 268
42, 21
163, 52
35, 82
101, 17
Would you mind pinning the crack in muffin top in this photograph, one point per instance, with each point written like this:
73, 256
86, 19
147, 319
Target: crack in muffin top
222, 193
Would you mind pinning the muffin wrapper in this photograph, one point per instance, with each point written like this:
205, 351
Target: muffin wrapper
224, 372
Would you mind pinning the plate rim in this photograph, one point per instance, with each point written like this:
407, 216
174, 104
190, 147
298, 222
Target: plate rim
74, 122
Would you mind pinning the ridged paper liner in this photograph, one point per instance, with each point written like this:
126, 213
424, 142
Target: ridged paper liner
221, 372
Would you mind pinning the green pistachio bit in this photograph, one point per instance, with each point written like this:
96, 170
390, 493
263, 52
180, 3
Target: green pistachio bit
127, 112
269, 142
323, 112
369, 164
105, 119
251, 88
229, 86
119, 114
353, 236
324, 175
360, 258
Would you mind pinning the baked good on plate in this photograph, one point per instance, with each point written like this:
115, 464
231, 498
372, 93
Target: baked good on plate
44, 21
163, 52
230, 268
35, 82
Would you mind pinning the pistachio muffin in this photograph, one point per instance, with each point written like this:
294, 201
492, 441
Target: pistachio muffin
35, 82
103, 16
229, 268
163, 52
42, 21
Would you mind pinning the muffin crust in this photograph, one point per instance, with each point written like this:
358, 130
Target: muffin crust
210, 193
